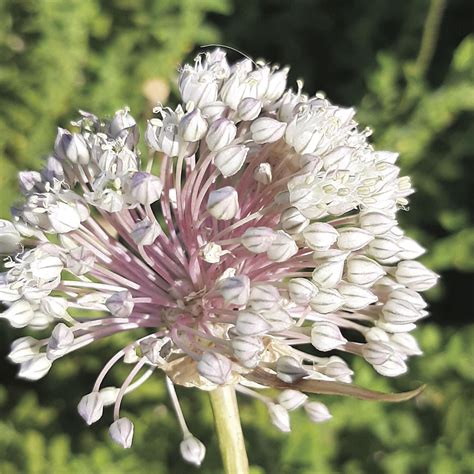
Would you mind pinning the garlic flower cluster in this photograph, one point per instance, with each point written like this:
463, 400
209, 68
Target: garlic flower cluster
272, 225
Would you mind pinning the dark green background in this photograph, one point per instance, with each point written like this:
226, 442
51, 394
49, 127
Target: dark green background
411, 81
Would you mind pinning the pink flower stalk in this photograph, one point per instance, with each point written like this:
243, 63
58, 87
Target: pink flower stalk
272, 225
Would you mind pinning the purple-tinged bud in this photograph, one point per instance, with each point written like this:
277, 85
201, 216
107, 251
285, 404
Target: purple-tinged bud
91, 407
229, 160
192, 450
326, 336
120, 304
267, 130
221, 134
235, 290
71, 147
291, 399
249, 109
61, 340
223, 203
258, 239
144, 188
289, 369
317, 412
145, 232
215, 367
122, 121
121, 432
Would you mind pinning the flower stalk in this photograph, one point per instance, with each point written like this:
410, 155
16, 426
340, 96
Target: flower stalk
229, 430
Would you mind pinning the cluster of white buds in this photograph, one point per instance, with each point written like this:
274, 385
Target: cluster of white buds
272, 225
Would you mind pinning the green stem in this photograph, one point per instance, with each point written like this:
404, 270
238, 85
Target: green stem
229, 430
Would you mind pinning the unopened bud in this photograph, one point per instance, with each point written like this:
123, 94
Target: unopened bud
320, 236
263, 297
376, 222
193, 126
276, 85
317, 412
415, 276
221, 134
258, 239
91, 407
384, 359
62, 338
144, 188
326, 336
383, 248
64, 218
353, 238
400, 312
301, 290
145, 232
23, 349
404, 294
328, 274
356, 297
292, 221
109, 395
229, 160
192, 450
279, 416
80, 260
289, 369
247, 349
267, 130
19, 314
363, 271
215, 367
122, 121
121, 432
71, 147
326, 301
235, 290
120, 304
10, 238
249, 108
410, 249
405, 343
223, 203
250, 323
282, 248
291, 399
279, 318
35, 368
214, 111
337, 369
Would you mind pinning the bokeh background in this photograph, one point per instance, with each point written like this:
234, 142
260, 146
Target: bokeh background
408, 67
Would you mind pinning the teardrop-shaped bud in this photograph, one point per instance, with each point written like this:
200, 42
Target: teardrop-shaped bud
235, 290
415, 276
121, 432
19, 314
10, 238
193, 126
376, 223
317, 412
292, 221
291, 399
282, 248
258, 239
353, 238
267, 130
355, 297
229, 160
35, 368
279, 416
215, 367
326, 301
289, 369
320, 236
23, 349
91, 407
62, 338
301, 290
249, 108
247, 349
223, 203
221, 134
326, 336
363, 271
144, 188
192, 450
263, 297
250, 323
328, 274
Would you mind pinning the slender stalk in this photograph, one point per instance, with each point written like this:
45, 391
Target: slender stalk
229, 430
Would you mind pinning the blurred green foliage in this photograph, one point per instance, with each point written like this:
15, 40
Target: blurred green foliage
411, 81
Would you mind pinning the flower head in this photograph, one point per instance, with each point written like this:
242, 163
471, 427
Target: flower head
272, 225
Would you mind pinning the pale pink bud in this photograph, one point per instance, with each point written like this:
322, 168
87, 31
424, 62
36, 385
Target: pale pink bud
291, 399
363, 271
192, 450
326, 336
289, 370
258, 239
71, 147
279, 416
230, 160
221, 134
282, 248
91, 407
223, 203
317, 412
320, 236
145, 232
267, 130
301, 290
415, 276
235, 290
215, 367
121, 432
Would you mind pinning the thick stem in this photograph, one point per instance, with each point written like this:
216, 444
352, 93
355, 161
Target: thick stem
229, 430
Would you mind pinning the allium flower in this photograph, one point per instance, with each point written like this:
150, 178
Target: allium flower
272, 225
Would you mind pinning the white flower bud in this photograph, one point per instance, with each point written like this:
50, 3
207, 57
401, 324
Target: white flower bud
214, 111
145, 232
317, 412
337, 369
263, 297
320, 236
292, 221
247, 349
35, 368
64, 218
10, 238
121, 431
223, 203
291, 399
109, 395
122, 121
156, 349
328, 274
353, 238
363, 271
235, 290
326, 301
62, 338
400, 312
279, 318
192, 450
250, 323
376, 222
356, 297
71, 147
276, 85
80, 260
230, 160
377, 335
258, 239
267, 130
279, 416
91, 407
23, 349
415, 276
326, 336
215, 367
249, 109
289, 369
404, 294
405, 343
384, 359
120, 304
282, 248
19, 314
383, 248
221, 134
54, 306
394, 328
301, 290
192, 127
410, 249
144, 188
263, 173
